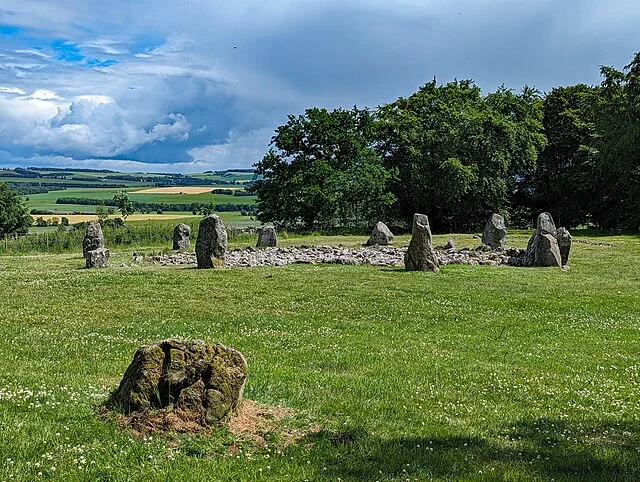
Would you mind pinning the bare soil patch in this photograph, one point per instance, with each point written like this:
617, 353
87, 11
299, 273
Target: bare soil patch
252, 423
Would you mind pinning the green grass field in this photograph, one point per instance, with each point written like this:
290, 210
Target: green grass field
104, 177
48, 200
476, 373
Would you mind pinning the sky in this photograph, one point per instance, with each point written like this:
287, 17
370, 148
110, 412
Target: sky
195, 85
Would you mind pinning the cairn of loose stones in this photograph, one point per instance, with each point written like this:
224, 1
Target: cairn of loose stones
204, 382
211, 244
93, 249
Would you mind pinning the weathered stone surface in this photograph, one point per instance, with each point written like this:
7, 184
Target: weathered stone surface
93, 238
495, 232
546, 251
267, 237
545, 224
97, 258
211, 244
543, 249
564, 239
420, 255
206, 380
181, 235
381, 235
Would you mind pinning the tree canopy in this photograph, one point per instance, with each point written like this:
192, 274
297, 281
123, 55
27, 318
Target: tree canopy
457, 152
14, 218
322, 170
457, 155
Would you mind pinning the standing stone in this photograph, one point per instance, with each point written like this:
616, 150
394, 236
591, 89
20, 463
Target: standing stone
545, 224
381, 235
495, 233
420, 255
564, 242
203, 382
97, 258
93, 238
181, 235
543, 249
211, 244
267, 237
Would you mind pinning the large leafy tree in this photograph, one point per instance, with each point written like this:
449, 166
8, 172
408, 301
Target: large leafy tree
616, 200
459, 154
14, 218
564, 181
322, 171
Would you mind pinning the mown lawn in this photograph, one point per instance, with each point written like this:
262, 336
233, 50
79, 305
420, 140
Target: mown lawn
477, 373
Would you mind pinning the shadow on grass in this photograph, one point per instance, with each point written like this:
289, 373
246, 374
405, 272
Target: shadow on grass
539, 449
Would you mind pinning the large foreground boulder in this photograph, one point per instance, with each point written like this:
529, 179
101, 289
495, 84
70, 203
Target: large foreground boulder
543, 249
211, 244
495, 233
420, 255
203, 381
181, 235
93, 238
267, 237
97, 258
381, 235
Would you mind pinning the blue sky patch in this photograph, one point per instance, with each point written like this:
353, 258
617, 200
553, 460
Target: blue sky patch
9, 30
67, 51
101, 63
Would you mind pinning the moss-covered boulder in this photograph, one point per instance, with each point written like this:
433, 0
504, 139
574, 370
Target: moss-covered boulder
202, 380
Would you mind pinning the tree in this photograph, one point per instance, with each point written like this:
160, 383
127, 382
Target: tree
322, 170
208, 209
617, 177
124, 204
14, 218
459, 154
563, 183
102, 213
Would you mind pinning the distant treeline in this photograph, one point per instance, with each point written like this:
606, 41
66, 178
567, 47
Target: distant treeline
154, 207
171, 180
233, 192
44, 186
227, 171
26, 188
49, 212
65, 169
